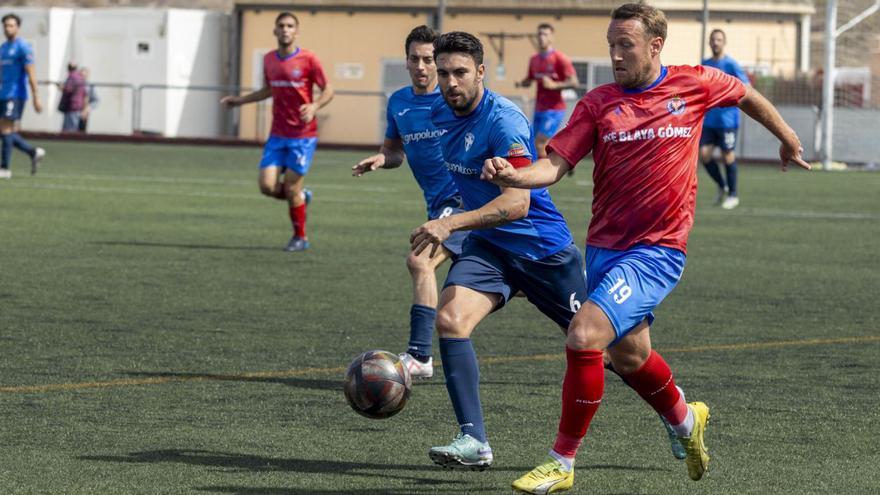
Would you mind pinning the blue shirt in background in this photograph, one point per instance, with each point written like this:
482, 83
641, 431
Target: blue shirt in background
15, 55
497, 127
409, 119
726, 117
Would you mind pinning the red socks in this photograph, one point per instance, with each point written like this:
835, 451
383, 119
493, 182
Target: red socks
582, 392
298, 219
654, 383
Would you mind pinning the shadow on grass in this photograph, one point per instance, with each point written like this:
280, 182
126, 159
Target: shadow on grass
186, 246
242, 490
309, 383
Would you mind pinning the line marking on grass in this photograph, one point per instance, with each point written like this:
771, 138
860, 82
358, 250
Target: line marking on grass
259, 375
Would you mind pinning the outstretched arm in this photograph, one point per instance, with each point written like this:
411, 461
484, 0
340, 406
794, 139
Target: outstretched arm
390, 155
757, 107
544, 172
512, 204
259, 95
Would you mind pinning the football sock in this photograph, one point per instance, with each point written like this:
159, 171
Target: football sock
7, 150
654, 383
463, 384
23, 145
421, 330
567, 462
582, 391
686, 426
714, 172
731, 178
298, 220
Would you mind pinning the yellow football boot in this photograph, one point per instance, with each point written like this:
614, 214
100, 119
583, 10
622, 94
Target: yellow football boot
697, 459
548, 477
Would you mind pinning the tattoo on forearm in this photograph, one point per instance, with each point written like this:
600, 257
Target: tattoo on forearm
490, 220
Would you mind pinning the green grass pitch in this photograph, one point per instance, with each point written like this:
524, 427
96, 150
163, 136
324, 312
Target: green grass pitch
155, 338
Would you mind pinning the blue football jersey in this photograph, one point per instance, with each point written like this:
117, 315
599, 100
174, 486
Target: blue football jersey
15, 55
409, 119
497, 127
726, 117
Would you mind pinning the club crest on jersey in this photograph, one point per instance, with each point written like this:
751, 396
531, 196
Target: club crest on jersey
676, 105
297, 72
468, 141
515, 150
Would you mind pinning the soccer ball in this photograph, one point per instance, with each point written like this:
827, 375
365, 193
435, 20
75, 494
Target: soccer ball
377, 384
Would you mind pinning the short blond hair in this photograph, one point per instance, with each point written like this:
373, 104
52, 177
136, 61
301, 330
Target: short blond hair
653, 19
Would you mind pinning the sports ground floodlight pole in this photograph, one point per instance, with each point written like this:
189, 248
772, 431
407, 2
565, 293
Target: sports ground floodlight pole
705, 21
440, 16
831, 34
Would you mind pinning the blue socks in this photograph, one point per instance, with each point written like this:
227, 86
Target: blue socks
731, 178
463, 384
23, 145
421, 331
714, 172
7, 150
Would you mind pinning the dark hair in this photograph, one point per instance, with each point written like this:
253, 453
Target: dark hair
420, 34
653, 19
545, 25
718, 31
12, 16
287, 14
459, 42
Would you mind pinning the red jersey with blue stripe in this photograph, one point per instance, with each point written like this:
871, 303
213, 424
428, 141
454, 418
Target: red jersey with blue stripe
292, 79
559, 68
645, 144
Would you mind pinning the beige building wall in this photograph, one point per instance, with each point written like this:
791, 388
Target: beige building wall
353, 46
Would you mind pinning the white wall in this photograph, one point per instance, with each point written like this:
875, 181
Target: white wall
134, 47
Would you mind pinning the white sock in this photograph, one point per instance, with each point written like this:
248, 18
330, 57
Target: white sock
567, 462
686, 426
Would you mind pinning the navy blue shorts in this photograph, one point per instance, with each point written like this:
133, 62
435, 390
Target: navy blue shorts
455, 241
555, 284
722, 138
11, 109
629, 284
289, 153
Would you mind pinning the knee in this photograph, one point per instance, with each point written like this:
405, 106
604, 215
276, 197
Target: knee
267, 189
450, 325
583, 336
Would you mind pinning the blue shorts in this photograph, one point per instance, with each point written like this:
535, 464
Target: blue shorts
11, 109
722, 138
547, 122
555, 284
289, 153
452, 206
629, 284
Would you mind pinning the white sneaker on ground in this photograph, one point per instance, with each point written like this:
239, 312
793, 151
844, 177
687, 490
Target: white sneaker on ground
5, 173
418, 369
730, 203
39, 154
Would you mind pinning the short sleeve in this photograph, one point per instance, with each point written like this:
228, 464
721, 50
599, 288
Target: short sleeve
27, 54
510, 137
531, 74
391, 131
722, 90
564, 67
576, 139
318, 73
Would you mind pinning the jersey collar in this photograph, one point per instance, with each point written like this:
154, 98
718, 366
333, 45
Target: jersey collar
654, 84
278, 54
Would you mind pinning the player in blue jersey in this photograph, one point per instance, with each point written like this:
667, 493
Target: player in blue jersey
16, 67
411, 134
518, 240
720, 127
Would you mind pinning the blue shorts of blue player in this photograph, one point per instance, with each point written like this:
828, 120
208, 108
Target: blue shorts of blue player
725, 139
11, 109
627, 285
555, 284
547, 122
294, 154
450, 207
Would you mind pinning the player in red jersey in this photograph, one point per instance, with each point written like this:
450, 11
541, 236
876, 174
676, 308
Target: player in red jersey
290, 74
553, 72
644, 133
